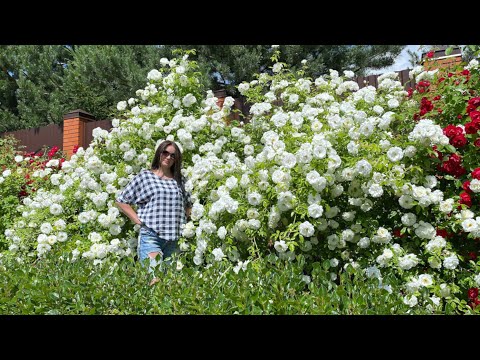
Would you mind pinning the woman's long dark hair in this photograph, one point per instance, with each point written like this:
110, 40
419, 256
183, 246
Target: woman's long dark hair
177, 164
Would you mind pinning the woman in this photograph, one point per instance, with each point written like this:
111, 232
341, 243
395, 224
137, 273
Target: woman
162, 203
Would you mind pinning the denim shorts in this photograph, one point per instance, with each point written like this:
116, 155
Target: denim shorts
149, 241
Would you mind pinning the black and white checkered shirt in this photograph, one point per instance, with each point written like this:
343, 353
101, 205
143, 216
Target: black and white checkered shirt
160, 203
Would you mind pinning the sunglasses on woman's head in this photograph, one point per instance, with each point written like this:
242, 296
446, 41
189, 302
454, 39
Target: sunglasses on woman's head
167, 154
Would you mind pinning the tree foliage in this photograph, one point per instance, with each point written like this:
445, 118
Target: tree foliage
41, 83
230, 65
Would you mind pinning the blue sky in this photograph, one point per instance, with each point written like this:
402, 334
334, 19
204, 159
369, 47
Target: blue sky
402, 61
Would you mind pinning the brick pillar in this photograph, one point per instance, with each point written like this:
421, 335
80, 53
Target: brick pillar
442, 63
74, 130
221, 95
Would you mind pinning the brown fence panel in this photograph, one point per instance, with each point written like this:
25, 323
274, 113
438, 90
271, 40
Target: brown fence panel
37, 138
372, 80
404, 79
89, 126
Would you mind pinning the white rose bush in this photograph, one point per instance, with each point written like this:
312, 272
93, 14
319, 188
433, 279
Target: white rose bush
347, 176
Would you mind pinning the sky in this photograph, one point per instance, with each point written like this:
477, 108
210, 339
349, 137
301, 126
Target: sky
402, 62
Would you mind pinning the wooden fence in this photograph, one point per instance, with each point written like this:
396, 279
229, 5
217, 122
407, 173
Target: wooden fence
372, 80
78, 125
76, 130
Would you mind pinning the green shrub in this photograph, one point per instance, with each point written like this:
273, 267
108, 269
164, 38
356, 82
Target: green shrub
267, 286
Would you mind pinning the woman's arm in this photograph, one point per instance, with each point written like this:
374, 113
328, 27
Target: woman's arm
128, 210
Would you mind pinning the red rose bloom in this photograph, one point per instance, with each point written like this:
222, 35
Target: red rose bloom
474, 115
474, 303
470, 127
459, 141
443, 233
474, 102
472, 255
477, 142
473, 293
451, 131
476, 173
466, 187
465, 199
396, 233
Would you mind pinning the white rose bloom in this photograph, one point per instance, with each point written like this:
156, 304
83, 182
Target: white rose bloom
293, 98
280, 246
393, 103
189, 100
56, 209
425, 230
62, 236
366, 205
332, 212
179, 265
231, 183
364, 242
306, 229
475, 185
277, 67
243, 87
395, 154
444, 290
60, 224
473, 64
410, 151
289, 160
378, 109
477, 280
197, 211
430, 181
122, 105
384, 144
248, 150
451, 262
315, 211
363, 167
375, 190
408, 261
222, 232
218, 253
446, 206
352, 148
425, 280
410, 300
46, 228
347, 235
254, 198
434, 263
469, 225
409, 219
406, 201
